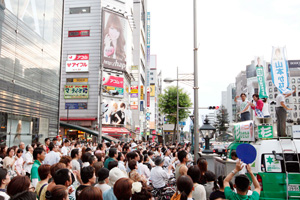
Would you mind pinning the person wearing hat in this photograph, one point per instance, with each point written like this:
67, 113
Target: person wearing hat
133, 146
114, 175
102, 184
158, 176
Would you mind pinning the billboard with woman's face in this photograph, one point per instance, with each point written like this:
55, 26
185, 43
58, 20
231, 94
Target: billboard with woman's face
113, 41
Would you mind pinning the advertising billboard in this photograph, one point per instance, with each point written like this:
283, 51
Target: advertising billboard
75, 106
77, 63
244, 131
152, 90
76, 91
114, 29
116, 113
113, 83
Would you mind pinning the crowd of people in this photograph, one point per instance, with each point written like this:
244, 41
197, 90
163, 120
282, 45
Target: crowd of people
63, 169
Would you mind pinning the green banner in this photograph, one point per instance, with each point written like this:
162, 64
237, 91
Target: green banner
265, 131
261, 82
76, 91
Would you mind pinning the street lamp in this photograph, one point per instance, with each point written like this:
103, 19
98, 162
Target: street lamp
207, 131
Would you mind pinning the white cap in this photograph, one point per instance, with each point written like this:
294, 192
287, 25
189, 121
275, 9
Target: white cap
114, 175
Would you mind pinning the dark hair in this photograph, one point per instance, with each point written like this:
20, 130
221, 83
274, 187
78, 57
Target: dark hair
90, 193
112, 164
255, 95
264, 100
58, 192
233, 153
122, 188
51, 146
3, 173
66, 141
146, 156
150, 153
99, 156
44, 171
132, 164
112, 152
62, 176
218, 184
210, 176
88, 149
18, 184
8, 150
242, 182
87, 173
54, 139
65, 160
131, 155
91, 159
141, 158
181, 155
119, 156
243, 94
56, 167
100, 145
46, 139
194, 173
74, 152
125, 148
85, 157
25, 195
36, 151
144, 194
19, 151
184, 185
27, 147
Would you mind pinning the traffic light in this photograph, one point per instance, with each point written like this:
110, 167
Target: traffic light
213, 107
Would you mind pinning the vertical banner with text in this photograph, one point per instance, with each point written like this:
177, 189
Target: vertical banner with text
260, 73
280, 70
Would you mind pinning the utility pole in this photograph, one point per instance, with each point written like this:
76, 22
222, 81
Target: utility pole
100, 106
177, 115
196, 88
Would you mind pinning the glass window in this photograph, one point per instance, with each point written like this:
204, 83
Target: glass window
276, 95
80, 10
293, 87
295, 115
287, 101
275, 89
272, 109
270, 90
295, 107
299, 102
298, 80
293, 80
271, 96
294, 94
81, 33
295, 100
270, 83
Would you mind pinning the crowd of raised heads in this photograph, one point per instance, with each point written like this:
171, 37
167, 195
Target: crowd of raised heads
63, 169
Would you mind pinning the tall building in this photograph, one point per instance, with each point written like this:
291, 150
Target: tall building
30, 70
241, 83
98, 47
224, 98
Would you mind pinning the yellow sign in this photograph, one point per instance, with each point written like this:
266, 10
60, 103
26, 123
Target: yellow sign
152, 90
142, 93
80, 79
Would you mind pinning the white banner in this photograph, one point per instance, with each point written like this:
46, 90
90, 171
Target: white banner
280, 69
244, 131
77, 66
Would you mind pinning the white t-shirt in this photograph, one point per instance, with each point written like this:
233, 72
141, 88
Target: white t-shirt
265, 109
279, 99
64, 151
243, 105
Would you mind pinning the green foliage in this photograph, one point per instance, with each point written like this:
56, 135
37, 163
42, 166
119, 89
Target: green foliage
222, 119
167, 103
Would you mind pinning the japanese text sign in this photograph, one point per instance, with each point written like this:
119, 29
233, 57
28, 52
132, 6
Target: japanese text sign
77, 66
279, 70
244, 131
76, 91
259, 63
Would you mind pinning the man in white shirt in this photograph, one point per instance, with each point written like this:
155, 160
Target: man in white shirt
121, 163
22, 146
167, 159
75, 155
281, 109
244, 107
103, 175
151, 155
28, 160
65, 149
143, 168
52, 157
158, 176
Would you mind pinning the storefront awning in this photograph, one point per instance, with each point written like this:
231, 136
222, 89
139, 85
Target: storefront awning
92, 132
115, 130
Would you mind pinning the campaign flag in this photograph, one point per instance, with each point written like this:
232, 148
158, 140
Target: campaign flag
280, 70
260, 74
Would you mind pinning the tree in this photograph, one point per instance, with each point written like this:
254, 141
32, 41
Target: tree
222, 119
167, 103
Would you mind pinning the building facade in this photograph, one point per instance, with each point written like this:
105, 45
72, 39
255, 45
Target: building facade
30, 49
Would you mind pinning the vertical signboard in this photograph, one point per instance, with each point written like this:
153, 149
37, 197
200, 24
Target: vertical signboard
260, 73
114, 28
148, 59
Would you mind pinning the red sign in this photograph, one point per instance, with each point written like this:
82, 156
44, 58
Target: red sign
81, 33
148, 99
154, 132
113, 81
134, 107
77, 66
79, 57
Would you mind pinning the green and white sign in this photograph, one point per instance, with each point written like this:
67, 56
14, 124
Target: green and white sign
272, 165
259, 63
265, 131
244, 131
76, 91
